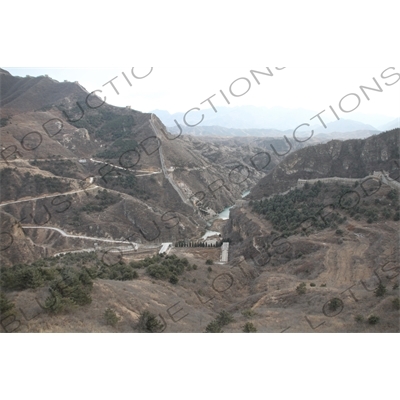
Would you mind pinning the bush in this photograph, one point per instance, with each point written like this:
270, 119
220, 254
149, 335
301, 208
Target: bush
313, 285
224, 318
5, 305
214, 327
392, 195
56, 304
169, 267
380, 291
22, 277
335, 304
301, 289
359, 319
209, 262
4, 122
148, 323
72, 289
111, 317
373, 320
250, 328
174, 280
248, 313
396, 304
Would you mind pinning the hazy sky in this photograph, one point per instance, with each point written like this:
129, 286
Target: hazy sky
180, 89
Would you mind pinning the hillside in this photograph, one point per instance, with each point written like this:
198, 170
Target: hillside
347, 159
62, 148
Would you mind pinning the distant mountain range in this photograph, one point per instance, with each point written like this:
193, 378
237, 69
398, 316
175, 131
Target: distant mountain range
391, 125
275, 119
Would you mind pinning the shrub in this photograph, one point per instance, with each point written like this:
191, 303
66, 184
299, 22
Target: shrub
380, 291
111, 317
4, 122
248, 313
209, 262
56, 304
209, 269
359, 319
148, 323
168, 267
214, 327
22, 277
224, 318
313, 285
301, 289
335, 304
174, 280
373, 320
73, 289
249, 328
5, 305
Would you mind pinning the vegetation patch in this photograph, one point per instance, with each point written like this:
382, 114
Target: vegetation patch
224, 319
149, 323
36, 184
111, 317
250, 328
320, 206
104, 199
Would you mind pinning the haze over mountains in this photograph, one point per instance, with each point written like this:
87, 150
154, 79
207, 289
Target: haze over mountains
277, 121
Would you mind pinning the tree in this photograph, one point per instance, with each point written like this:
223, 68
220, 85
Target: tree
174, 280
111, 317
249, 328
148, 323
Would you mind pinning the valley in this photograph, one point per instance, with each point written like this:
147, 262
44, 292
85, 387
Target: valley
105, 208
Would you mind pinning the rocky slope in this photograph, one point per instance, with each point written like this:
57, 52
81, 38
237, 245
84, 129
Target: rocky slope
348, 159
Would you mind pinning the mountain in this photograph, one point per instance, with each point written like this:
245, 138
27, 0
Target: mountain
119, 170
348, 159
263, 119
391, 125
244, 117
343, 126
